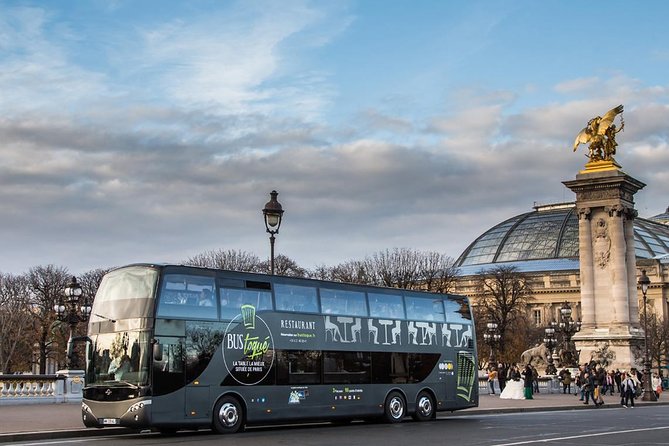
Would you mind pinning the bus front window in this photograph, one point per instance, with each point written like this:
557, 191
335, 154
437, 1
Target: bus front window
119, 358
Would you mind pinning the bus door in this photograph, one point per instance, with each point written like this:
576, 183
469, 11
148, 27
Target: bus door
168, 378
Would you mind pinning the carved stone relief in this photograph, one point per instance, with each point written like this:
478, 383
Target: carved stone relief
602, 244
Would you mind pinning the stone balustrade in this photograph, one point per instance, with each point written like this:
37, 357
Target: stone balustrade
63, 387
547, 384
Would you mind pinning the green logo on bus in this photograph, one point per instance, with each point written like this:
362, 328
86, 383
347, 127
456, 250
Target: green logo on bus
248, 347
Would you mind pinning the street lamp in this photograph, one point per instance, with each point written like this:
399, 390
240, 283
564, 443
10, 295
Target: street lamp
272, 213
550, 343
648, 393
491, 337
568, 327
72, 308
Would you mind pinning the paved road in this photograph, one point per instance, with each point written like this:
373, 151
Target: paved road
55, 421
614, 426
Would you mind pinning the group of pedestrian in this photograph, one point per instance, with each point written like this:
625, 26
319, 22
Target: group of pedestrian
523, 382
592, 382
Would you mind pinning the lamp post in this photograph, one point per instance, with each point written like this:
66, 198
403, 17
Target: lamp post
648, 393
491, 337
568, 327
72, 308
550, 342
273, 213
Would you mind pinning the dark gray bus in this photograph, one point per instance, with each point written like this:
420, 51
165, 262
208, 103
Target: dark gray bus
174, 347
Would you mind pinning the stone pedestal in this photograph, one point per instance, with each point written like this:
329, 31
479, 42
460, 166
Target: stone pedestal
610, 330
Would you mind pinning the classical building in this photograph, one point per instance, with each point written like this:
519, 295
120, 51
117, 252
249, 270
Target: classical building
544, 244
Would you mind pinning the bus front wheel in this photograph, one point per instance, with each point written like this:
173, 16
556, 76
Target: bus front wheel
395, 408
424, 407
228, 415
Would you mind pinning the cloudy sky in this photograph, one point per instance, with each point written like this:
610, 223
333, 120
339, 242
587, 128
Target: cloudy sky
154, 130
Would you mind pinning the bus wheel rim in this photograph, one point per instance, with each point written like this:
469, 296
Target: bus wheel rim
425, 405
228, 414
396, 407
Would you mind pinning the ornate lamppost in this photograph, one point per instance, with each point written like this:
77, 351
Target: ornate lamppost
491, 337
273, 213
648, 393
550, 343
72, 308
568, 327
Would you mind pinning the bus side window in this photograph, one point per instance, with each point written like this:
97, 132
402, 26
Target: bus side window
299, 299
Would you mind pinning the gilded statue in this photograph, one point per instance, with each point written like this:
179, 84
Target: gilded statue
601, 134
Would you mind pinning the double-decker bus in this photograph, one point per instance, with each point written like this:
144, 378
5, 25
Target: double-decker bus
175, 347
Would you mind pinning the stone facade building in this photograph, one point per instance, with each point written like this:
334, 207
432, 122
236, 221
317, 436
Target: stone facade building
544, 244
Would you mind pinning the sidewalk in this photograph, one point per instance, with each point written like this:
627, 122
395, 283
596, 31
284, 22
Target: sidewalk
52, 421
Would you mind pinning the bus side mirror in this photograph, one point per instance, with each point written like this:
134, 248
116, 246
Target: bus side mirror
157, 351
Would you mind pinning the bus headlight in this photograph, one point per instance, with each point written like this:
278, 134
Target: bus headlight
139, 406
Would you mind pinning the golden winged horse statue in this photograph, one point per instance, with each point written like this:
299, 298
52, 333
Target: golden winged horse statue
601, 134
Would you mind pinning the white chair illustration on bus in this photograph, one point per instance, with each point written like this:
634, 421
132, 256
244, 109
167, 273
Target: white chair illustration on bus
332, 329
413, 332
396, 333
446, 335
466, 336
355, 330
372, 330
431, 333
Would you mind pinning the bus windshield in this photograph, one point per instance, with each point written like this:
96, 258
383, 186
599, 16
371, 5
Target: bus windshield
120, 358
125, 293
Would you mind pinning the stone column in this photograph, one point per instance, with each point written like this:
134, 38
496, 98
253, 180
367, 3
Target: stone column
618, 274
587, 273
609, 308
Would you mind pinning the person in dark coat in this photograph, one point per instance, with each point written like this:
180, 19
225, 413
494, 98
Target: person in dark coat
528, 380
501, 376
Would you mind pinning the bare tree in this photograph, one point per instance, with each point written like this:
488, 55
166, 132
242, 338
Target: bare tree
658, 340
15, 324
284, 266
503, 298
226, 259
353, 271
437, 272
90, 282
397, 268
46, 285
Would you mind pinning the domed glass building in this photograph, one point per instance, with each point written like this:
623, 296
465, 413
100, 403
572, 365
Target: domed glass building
543, 244
547, 240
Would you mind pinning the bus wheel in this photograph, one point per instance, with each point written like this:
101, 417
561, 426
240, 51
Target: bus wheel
228, 415
395, 408
424, 407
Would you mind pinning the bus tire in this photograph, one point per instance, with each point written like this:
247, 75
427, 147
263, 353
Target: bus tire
228, 415
424, 407
395, 408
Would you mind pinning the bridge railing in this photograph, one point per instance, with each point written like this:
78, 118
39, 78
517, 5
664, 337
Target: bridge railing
63, 387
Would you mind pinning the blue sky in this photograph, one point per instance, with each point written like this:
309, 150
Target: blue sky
154, 130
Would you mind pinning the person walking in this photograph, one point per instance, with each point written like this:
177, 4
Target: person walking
528, 380
565, 380
628, 387
492, 376
502, 371
588, 388
618, 377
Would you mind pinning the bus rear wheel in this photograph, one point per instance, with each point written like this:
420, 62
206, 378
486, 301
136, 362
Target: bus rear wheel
228, 415
424, 407
395, 408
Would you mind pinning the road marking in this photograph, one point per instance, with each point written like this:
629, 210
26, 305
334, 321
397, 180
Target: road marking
574, 437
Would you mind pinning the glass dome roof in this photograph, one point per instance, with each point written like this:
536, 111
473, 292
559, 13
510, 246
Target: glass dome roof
550, 234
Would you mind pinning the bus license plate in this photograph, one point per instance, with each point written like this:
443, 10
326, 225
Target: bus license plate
110, 421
